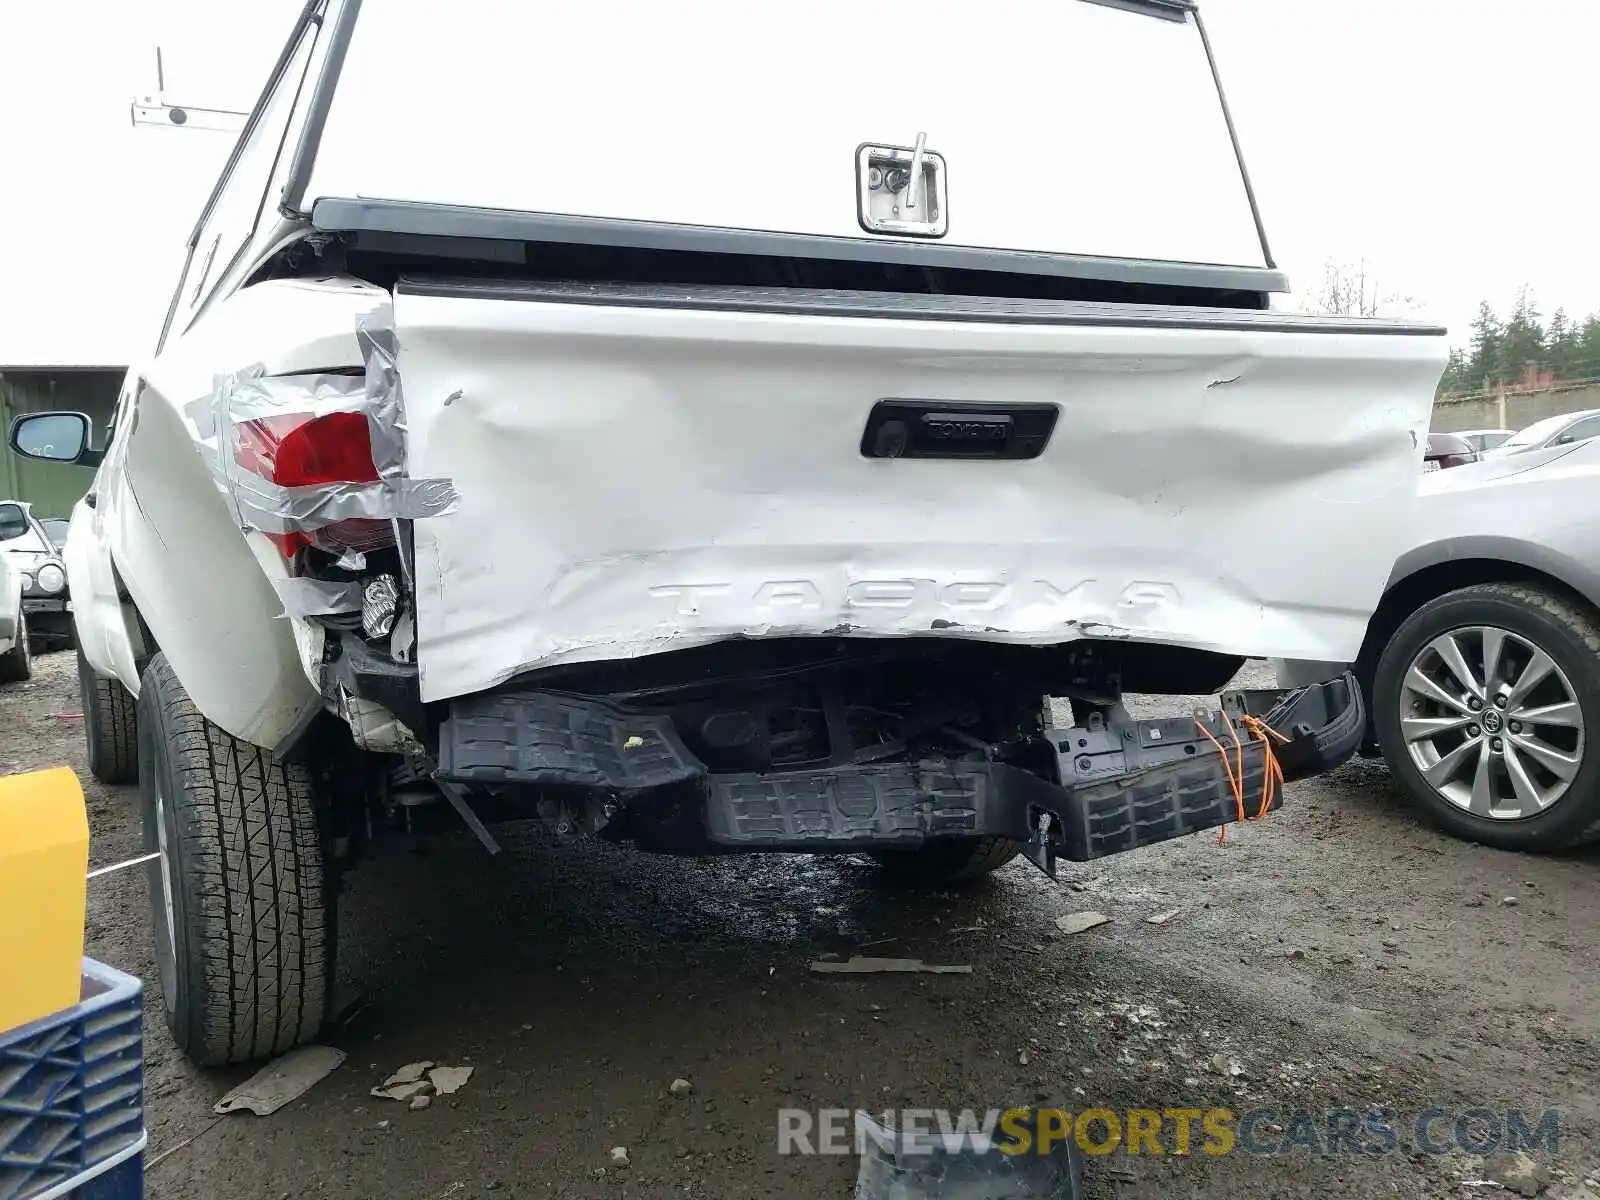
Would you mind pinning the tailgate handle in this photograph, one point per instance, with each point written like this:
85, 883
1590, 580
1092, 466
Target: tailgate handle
957, 429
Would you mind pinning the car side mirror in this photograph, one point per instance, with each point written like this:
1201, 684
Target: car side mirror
61, 437
1565, 439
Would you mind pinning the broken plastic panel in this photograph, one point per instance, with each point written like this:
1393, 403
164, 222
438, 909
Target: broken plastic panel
1116, 784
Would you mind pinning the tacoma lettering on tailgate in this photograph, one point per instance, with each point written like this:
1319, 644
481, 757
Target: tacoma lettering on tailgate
804, 595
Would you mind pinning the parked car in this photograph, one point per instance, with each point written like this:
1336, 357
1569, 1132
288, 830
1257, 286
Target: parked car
55, 528
1481, 666
16, 655
1559, 430
1447, 450
45, 594
1484, 440
610, 490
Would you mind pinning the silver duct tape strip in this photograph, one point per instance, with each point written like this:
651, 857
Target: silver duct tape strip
380, 351
252, 394
303, 596
268, 508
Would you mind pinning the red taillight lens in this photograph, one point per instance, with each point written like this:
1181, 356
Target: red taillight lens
296, 450
299, 450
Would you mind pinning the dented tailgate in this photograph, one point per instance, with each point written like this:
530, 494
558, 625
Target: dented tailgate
644, 469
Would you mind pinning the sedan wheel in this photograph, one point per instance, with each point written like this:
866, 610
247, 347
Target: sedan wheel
1491, 722
1483, 699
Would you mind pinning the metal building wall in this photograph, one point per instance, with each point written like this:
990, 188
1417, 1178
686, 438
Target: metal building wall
52, 489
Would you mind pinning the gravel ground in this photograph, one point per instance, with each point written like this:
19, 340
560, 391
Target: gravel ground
1338, 954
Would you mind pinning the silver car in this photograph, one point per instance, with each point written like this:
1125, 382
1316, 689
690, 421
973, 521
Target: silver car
1560, 430
1485, 440
1481, 667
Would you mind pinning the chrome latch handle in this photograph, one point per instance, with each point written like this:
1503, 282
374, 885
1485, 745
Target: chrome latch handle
914, 188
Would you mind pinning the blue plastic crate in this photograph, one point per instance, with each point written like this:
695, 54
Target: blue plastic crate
72, 1095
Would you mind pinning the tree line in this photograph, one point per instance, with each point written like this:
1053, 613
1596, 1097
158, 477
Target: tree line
1523, 352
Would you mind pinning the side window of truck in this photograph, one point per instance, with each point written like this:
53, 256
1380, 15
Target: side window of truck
242, 202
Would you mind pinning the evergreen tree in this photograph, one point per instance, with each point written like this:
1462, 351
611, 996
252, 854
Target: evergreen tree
1561, 346
1521, 351
1585, 361
1457, 378
1522, 345
1483, 367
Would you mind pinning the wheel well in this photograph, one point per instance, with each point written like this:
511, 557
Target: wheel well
148, 647
1405, 597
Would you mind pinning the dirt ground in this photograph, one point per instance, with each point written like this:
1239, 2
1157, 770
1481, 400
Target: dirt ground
1337, 955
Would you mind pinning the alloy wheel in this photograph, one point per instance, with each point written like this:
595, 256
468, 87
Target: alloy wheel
1491, 723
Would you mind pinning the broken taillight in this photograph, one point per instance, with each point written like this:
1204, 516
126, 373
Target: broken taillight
296, 450
299, 450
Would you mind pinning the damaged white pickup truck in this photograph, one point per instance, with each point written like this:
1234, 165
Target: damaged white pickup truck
717, 451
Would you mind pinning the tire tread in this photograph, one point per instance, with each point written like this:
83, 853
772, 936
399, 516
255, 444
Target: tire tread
111, 726
260, 982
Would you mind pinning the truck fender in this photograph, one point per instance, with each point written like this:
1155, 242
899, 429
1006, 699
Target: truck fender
197, 587
178, 546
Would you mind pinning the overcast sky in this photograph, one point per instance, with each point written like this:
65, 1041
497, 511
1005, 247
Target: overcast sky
1439, 140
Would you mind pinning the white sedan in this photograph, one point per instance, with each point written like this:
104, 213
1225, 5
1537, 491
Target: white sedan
1479, 666
16, 662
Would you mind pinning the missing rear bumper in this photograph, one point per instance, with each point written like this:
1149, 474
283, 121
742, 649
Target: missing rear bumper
1105, 787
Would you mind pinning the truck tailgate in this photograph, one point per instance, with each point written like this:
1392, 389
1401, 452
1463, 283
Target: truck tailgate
643, 469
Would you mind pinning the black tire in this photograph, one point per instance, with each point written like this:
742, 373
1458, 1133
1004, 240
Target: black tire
16, 664
948, 860
1565, 630
110, 725
247, 970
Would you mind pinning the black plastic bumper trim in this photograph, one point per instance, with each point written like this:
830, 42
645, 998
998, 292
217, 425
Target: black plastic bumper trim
1166, 790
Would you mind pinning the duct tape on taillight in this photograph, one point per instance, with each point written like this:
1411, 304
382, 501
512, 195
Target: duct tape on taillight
303, 596
291, 457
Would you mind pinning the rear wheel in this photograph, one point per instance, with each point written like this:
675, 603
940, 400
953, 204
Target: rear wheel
243, 918
1485, 700
16, 664
110, 725
950, 860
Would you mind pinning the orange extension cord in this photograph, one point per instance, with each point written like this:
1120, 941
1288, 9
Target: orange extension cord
1271, 770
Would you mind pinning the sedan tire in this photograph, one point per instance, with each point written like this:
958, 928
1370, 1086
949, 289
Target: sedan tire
16, 664
1487, 703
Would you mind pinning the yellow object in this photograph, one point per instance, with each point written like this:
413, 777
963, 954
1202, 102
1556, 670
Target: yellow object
44, 862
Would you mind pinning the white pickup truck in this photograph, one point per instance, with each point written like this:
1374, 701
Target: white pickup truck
718, 427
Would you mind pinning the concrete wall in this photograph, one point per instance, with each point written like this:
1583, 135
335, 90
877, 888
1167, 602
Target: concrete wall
52, 489
1518, 410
